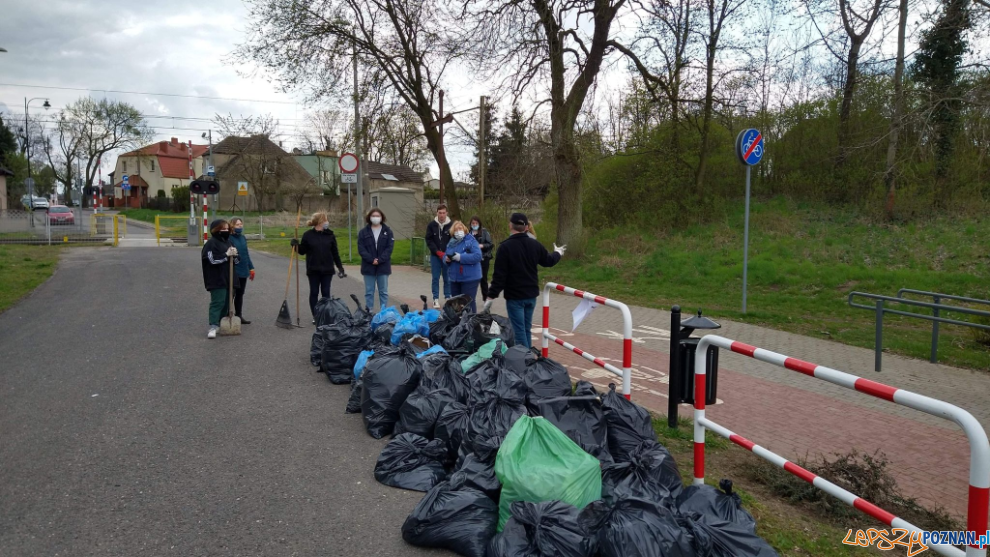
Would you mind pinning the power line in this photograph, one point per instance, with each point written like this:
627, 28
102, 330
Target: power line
143, 93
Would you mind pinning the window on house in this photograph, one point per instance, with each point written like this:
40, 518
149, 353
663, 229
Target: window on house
152, 165
124, 166
374, 201
390, 178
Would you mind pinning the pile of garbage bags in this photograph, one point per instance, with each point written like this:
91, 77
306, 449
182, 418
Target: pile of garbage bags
514, 460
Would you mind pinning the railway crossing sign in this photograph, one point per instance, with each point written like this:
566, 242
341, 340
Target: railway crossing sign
242, 188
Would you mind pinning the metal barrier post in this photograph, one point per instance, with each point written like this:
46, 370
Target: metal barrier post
673, 374
626, 371
158, 231
934, 357
978, 505
878, 341
116, 231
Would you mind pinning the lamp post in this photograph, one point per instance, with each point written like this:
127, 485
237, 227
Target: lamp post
27, 150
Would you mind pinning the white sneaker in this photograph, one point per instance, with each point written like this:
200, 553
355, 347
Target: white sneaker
436, 303
212, 333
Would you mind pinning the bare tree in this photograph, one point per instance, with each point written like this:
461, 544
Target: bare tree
400, 44
329, 129
247, 152
393, 136
896, 120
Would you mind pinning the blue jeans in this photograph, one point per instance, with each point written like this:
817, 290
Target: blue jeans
370, 281
439, 269
468, 288
521, 316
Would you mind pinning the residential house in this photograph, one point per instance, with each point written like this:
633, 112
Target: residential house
379, 175
3, 187
274, 179
154, 168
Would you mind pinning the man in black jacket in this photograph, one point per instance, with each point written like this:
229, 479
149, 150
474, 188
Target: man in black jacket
516, 275
437, 237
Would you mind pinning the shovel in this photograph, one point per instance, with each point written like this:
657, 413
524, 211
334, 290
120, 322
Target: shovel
230, 325
284, 320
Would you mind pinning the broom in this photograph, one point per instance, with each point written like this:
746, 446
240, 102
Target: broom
230, 325
284, 320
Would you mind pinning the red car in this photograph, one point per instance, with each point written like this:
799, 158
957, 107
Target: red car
60, 214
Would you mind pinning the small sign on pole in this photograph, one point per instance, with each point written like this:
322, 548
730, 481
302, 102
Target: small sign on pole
242, 188
210, 171
348, 178
124, 182
348, 163
749, 149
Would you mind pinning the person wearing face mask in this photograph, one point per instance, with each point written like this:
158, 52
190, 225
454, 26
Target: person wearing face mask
244, 269
437, 237
484, 239
375, 242
463, 258
319, 245
216, 274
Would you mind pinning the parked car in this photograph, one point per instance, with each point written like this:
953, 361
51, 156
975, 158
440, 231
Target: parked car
60, 214
39, 203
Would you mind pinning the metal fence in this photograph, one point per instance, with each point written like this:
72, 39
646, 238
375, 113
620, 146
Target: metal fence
74, 226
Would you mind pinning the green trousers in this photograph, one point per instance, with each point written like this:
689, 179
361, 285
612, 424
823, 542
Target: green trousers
219, 306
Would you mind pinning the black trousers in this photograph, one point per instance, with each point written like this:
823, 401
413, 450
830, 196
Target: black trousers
484, 278
318, 284
239, 285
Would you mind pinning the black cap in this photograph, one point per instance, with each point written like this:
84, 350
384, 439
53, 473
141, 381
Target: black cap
518, 218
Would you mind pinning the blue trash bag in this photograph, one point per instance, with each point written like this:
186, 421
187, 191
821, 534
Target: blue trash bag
432, 315
413, 323
361, 360
435, 349
387, 315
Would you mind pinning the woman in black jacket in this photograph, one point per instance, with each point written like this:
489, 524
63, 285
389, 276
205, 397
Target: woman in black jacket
319, 245
375, 242
216, 272
484, 239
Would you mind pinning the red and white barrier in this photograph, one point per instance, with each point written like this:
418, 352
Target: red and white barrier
979, 460
626, 372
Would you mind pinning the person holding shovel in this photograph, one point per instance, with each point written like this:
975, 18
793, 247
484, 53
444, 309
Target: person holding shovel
244, 268
216, 252
319, 245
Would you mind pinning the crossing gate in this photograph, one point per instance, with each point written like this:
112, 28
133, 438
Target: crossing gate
626, 372
979, 447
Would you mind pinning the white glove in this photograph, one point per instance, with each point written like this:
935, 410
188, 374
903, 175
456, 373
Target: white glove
560, 249
231, 251
456, 257
488, 308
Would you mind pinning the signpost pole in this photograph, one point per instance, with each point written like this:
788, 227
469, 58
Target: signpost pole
749, 170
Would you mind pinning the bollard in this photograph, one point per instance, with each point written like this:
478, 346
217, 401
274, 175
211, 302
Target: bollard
673, 371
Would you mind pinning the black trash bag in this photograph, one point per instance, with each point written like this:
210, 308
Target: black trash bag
483, 376
720, 503
442, 371
638, 527
582, 419
354, 401
452, 427
388, 380
329, 310
477, 468
361, 313
516, 358
474, 331
316, 348
545, 378
343, 341
461, 520
454, 307
546, 529
381, 337
496, 402
628, 424
584, 388
725, 538
420, 411
411, 462
650, 473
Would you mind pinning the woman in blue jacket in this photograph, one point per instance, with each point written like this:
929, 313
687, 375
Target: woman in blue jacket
375, 243
244, 269
463, 258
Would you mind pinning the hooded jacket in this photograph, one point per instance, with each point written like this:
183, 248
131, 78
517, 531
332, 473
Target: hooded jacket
469, 267
438, 235
320, 249
216, 271
244, 265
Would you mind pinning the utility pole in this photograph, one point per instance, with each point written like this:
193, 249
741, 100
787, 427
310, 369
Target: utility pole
357, 142
482, 151
440, 149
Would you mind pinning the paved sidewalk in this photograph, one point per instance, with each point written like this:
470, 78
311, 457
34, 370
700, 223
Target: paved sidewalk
787, 412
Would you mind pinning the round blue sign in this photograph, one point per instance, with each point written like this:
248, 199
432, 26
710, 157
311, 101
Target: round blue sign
749, 147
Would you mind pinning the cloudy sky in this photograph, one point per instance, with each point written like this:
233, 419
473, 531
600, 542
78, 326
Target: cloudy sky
168, 59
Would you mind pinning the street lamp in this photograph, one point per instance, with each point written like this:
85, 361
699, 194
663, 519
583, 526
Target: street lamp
27, 150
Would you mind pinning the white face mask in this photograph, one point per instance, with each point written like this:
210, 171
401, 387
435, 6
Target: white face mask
459, 234
325, 225
376, 220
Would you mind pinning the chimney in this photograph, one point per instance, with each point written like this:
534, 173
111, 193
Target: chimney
175, 141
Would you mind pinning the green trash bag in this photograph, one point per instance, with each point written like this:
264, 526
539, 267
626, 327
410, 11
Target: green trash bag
537, 462
483, 353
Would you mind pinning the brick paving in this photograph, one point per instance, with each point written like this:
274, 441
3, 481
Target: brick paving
789, 413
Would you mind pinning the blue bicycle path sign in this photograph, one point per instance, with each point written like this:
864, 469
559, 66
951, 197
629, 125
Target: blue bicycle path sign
749, 147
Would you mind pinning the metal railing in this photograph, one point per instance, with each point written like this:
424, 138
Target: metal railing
937, 307
419, 255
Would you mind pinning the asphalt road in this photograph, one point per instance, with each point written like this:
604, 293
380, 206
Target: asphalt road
124, 431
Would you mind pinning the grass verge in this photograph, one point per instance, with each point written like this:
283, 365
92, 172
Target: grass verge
22, 269
804, 260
